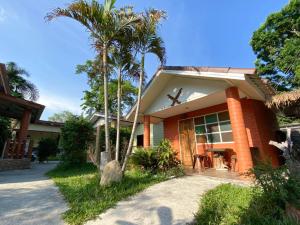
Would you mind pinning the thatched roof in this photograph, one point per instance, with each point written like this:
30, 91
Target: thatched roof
287, 102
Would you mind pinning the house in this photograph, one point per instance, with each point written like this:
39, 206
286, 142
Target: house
210, 111
29, 130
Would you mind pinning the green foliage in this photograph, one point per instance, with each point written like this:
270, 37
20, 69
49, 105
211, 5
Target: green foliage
5, 131
47, 147
146, 158
61, 117
19, 86
230, 204
166, 155
224, 205
285, 120
162, 158
278, 184
87, 199
93, 99
77, 133
276, 44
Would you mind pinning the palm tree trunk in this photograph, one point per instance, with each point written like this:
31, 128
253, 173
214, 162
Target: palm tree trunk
118, 114
106, 114
137, 110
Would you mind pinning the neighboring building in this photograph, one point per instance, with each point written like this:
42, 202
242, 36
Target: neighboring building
208, 111
97, 119
30, 128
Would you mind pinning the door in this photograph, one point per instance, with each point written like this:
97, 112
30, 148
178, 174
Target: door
187, 141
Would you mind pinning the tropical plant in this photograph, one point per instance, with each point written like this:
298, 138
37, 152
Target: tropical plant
77, 133
104, 24
126, 67
61, 117
19, 86
146, 40
47, 147
276, 44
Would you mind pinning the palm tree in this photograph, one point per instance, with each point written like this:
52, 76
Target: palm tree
104, 24
146, 40
19, 86
125, 66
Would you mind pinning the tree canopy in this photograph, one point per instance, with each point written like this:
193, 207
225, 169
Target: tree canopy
20, 87
61, 117
276, 45
93, 99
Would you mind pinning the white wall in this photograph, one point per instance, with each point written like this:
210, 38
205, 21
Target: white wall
156, 133
191, 89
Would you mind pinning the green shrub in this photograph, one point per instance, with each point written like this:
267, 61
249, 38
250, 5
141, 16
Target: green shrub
166, 156
46, 148
145, 158
161, 158
278, 184
76, 134
230, 204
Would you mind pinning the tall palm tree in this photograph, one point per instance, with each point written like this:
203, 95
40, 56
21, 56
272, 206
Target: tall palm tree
19, 86
104, 24
125, 67
146, 40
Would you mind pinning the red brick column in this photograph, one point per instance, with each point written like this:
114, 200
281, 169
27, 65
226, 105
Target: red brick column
146, 131
23, 132
244, 159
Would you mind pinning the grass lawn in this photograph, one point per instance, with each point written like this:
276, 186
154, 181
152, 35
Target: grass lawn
87, 199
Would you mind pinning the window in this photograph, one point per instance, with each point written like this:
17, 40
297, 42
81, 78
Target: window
213, 128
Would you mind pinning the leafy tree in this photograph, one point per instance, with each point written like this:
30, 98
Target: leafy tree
146, 40
19, 86
276, 44
46, 148
104, 24
61, 117
93, 99
77, 133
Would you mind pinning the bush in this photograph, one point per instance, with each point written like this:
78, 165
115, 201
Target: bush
162, 158
278, 184
76, 134
230, 204
47, 147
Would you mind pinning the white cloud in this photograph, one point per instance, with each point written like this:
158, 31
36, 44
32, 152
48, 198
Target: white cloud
2, 14
58, 103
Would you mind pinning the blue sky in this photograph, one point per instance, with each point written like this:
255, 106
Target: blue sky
196, 32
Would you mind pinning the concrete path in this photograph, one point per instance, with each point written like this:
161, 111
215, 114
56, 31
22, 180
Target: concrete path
27, 197
172, 202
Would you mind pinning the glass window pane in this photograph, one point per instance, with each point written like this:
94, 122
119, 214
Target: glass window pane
211, 118
201, 139
225, 126
212, 127
223, 116
200, 129
199, 120
213, 138
227, 137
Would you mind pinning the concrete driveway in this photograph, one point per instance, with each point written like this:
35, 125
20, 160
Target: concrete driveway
27, 197
172, 202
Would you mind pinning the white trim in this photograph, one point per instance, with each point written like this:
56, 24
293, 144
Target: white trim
231, 76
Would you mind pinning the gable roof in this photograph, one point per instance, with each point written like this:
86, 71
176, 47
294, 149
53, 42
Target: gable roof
244, 78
